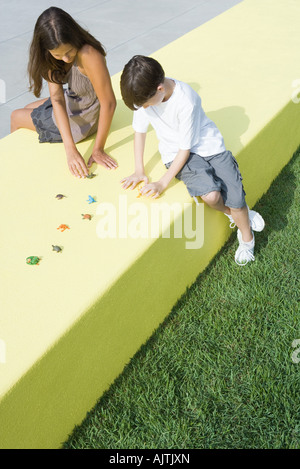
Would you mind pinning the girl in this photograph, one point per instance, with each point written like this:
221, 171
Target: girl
63, 52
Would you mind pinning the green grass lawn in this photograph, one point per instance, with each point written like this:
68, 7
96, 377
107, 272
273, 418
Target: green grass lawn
218, 373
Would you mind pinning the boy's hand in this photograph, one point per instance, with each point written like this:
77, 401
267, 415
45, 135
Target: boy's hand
154, 189
134, 180
100, 157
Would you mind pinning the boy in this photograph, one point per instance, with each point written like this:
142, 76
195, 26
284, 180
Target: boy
191, 147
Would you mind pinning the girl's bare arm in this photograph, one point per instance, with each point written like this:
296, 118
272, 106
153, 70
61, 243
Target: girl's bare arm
75, 161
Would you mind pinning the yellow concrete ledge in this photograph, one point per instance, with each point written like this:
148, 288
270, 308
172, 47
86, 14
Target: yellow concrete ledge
69, 325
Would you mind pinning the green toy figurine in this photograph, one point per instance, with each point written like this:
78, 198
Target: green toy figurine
33, 260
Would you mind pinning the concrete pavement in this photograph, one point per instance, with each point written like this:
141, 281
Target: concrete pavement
124, 27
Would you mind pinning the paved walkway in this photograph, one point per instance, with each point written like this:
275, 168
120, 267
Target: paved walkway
125, 28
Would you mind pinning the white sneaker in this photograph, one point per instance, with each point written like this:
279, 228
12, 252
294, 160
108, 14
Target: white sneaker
245, 251
257, 222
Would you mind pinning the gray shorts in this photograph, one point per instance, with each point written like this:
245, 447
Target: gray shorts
42, 118
220, 172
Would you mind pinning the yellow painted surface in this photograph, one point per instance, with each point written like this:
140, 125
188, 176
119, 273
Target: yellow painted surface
69, 325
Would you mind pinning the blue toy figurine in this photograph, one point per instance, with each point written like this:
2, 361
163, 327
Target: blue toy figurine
91, 199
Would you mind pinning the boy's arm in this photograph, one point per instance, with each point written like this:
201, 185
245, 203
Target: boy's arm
139, 174
156, 188
177, 164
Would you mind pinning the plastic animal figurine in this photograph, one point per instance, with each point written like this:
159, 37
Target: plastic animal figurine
63, 228
140, 193
33, 260
86, 216
91, 176
91, 199
60, 196
56, 248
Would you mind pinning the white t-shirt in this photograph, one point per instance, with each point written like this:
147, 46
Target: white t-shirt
180, 124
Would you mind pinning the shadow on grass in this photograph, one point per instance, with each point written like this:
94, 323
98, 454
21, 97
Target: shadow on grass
274, 205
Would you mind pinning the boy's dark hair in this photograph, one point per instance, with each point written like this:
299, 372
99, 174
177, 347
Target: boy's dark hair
139, 81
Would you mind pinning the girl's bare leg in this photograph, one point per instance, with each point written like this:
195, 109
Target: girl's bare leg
21, 118
35, 103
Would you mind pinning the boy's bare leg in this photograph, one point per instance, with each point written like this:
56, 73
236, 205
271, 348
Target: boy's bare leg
239, 215
215, 201
241, 219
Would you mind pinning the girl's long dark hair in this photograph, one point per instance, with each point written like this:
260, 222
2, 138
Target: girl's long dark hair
53, 28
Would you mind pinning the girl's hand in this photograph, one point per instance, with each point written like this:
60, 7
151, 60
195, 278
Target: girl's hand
100, 157
134, 180
76, 164
155, 189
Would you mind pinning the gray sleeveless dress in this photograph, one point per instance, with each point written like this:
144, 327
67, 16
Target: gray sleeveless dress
82, 107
